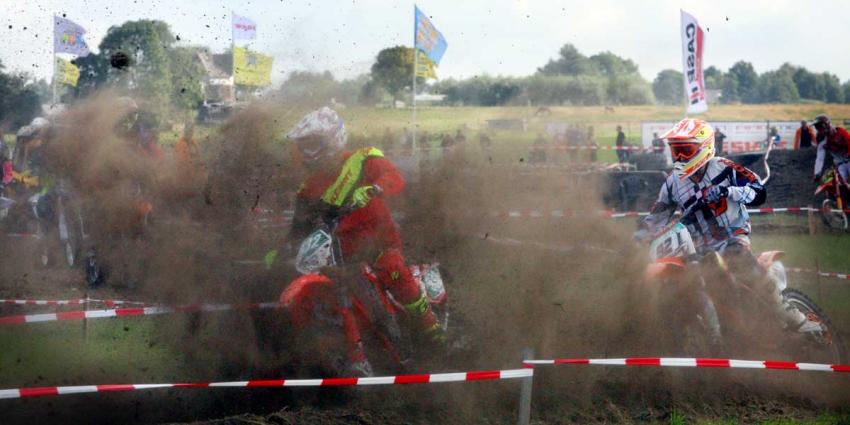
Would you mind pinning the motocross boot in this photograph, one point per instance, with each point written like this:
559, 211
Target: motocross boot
791, 316
420, 310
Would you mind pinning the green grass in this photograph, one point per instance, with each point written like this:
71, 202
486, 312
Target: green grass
110, 350
826, 419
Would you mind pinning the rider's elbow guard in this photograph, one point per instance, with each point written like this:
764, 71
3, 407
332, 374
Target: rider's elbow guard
760, 195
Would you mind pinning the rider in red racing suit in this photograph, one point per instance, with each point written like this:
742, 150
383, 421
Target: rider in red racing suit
348, 186
836, 141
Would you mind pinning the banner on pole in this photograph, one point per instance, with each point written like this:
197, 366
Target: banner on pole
427, 38
68, 37
251, 68
66, 72
424, 67
693, 43
243, 28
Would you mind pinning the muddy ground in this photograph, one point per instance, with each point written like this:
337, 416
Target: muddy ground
580, 300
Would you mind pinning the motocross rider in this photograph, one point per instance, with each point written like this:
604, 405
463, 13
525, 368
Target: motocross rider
349, 187
836, 140
713, 194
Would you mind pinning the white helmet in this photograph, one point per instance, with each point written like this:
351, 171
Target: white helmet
320, 133
34, 128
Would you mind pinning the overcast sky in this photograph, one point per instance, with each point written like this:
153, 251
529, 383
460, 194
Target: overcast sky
498, 37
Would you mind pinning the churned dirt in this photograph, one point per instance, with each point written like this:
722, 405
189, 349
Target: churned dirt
565, 287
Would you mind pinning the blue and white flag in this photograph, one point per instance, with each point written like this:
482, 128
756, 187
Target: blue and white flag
243, 28
68, 37
426, 37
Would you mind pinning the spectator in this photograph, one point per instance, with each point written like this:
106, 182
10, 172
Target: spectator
485, 141
405, 139
622, 153
424, 142
186, 149
459, 137
573, 138
630, 189
538, 150
657, 143
773, 137
719, 137
805, 136
591, 141
387, 141
448, 141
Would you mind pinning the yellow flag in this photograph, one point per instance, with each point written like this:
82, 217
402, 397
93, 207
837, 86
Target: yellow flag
425, 68
66, 72
251, 68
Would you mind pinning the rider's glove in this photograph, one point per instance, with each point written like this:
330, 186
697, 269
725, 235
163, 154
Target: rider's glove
362, 368
269, 258
817, 177
436, 334
362, 195
716, 193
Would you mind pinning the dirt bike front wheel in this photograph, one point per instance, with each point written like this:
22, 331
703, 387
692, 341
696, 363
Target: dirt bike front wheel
832, 216
824, 345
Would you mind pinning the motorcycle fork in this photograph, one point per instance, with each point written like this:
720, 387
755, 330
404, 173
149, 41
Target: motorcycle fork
707, 309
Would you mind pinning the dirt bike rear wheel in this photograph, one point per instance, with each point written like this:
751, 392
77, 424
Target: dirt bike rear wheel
831, 218
827, 344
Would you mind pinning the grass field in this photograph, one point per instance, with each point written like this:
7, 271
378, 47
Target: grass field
129, 350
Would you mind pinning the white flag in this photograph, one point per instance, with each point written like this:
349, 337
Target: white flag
243, 28
68, 37
693, 45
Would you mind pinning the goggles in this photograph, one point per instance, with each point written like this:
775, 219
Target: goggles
684, 151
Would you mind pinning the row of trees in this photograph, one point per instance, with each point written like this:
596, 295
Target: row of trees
571, 78
741, 83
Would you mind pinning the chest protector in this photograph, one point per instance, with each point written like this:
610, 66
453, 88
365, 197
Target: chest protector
349, 177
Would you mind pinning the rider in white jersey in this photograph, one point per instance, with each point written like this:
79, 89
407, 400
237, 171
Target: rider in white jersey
713, 194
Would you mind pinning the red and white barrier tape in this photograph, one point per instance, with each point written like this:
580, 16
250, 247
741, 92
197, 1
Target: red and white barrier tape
129, 312
433, 378
844, 276
23, 235
611, 214
73, 301
696, 362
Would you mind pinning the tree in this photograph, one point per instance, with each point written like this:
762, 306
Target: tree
393, 69
668, 87
746, 79
570, 62
19, 100
186, 75
164, 75
777, 87
713, 78
629, 90
834, 93
809, 85
610, 65
847, 92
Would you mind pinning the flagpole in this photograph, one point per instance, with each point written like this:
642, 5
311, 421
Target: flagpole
232, 55
55, 92
415, 67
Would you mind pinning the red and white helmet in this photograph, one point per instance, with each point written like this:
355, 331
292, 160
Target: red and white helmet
691, 144
319, 134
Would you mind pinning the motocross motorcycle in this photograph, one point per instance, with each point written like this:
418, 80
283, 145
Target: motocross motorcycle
707, 310
52, 219
833, 209
342, 316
